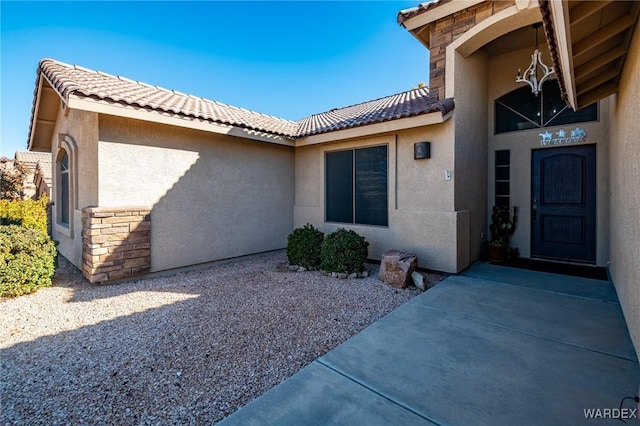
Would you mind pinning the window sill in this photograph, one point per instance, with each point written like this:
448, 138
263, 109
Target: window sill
64, 229
356, 224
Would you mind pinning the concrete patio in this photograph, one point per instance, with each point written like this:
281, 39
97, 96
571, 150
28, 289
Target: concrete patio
493, 345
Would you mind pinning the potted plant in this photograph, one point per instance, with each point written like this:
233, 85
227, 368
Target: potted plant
502, 226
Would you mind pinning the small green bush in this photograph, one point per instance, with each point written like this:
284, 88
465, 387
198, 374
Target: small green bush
303, 246
27, 260
344, 251
30, 214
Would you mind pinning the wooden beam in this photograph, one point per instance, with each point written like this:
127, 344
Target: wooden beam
596, 81
586, 9
423, 34
605, 33
587, 68
42, 121
601, 93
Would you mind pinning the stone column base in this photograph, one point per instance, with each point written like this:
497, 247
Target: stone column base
116, 242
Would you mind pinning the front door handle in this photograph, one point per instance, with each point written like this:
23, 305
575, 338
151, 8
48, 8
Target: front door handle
534, 209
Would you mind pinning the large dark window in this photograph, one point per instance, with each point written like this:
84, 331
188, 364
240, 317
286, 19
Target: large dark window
521, 109
356, 186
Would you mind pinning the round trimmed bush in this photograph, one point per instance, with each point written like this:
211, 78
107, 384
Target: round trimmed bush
303, 246
344, 251
27, 260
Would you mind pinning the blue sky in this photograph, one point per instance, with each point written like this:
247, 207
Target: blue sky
288, 59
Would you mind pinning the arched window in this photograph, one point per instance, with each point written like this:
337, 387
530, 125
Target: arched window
63, 199
520, 109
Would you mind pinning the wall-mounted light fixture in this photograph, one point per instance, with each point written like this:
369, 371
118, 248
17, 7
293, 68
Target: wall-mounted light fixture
421, 150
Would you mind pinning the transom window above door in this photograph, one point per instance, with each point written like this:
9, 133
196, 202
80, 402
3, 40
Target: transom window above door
520, 110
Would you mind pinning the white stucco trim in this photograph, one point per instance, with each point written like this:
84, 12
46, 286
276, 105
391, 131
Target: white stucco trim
67, 144
376, 129
486, 31
137, 113
438, 12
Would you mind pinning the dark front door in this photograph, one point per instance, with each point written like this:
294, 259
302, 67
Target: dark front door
563, 216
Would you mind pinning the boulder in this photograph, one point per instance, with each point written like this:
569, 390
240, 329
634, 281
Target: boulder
396, 267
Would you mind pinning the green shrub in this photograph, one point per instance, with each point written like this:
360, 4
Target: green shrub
30, 214
27, 260
344, 251
303, 246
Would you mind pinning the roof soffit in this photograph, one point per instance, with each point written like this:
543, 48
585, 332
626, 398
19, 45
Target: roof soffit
590, 43
44, 112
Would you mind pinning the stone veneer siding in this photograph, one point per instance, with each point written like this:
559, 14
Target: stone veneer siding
116, 242
446, 30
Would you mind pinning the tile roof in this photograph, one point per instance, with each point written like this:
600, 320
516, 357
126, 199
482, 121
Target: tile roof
549, 32
406, 14
44, 169
79, 81
406, 104
33, 157
70, 80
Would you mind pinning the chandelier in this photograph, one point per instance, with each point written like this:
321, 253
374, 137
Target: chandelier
538, 72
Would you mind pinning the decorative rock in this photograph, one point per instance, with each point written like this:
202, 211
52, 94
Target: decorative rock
418, 280
396, 267
353, 276
334, 275
342, 275
302, 269
364, 274
293, 267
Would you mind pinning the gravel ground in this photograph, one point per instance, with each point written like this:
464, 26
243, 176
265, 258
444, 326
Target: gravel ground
184, 349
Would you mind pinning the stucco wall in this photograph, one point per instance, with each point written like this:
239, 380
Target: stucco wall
501, 80
470, 91
211, 196
422, 218
82, 130
625, 197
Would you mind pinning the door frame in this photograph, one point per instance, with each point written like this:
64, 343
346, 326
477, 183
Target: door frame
591, 198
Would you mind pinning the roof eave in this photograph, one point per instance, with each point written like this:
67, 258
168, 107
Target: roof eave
46, 103
589, 60
430, 15
151, 115
558, 32
438, 116
34, 112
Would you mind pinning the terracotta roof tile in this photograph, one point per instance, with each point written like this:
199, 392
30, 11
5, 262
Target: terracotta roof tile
549, 32
32, 157
72, 79
402, 105
406, 14
44, 168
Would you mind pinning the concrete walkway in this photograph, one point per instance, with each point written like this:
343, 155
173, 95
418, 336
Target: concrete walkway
493, 345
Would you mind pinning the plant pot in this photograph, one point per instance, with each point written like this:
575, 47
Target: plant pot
497, 253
